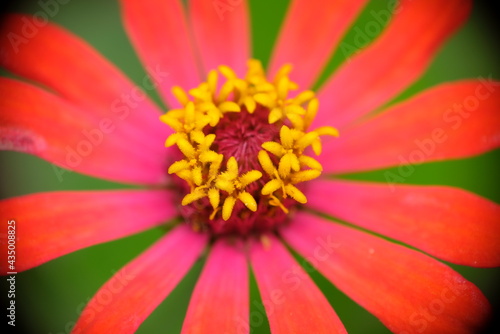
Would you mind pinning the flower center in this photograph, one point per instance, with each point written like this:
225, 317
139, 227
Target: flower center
244, 147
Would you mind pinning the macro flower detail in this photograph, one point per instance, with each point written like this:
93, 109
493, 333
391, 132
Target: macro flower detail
245, 120
242, 170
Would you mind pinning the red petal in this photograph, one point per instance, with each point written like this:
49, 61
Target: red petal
395, 60
159, 32
35, 121
129, 297
221, 31
292, 301
449, 223
450, 121
49, 225
311, 31
220, 301
62, 62
408, 291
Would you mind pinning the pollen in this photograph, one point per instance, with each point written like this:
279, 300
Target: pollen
245, 148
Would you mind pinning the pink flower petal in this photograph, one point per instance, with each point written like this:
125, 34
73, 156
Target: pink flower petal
395, 60
450, 121
49, 225
39, 122
408, 291
220, 301
293, 302
160, 35
222, 33
311, 31
129, 297
55, 58
449, 223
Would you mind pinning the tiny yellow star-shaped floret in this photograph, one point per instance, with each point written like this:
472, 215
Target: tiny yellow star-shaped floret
286, 184
197, 156
184, 122
212, 104
234, 185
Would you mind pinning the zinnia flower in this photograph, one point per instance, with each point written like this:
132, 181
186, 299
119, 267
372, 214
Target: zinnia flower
246, 158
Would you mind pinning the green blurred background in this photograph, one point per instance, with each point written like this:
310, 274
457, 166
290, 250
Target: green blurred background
51, 297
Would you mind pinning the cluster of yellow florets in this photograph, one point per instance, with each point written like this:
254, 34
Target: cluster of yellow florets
202, 109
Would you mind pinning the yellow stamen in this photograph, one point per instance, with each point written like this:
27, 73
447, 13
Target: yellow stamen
227, 208
180, 95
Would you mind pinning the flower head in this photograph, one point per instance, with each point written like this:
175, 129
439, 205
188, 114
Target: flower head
248, 158
243, 150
